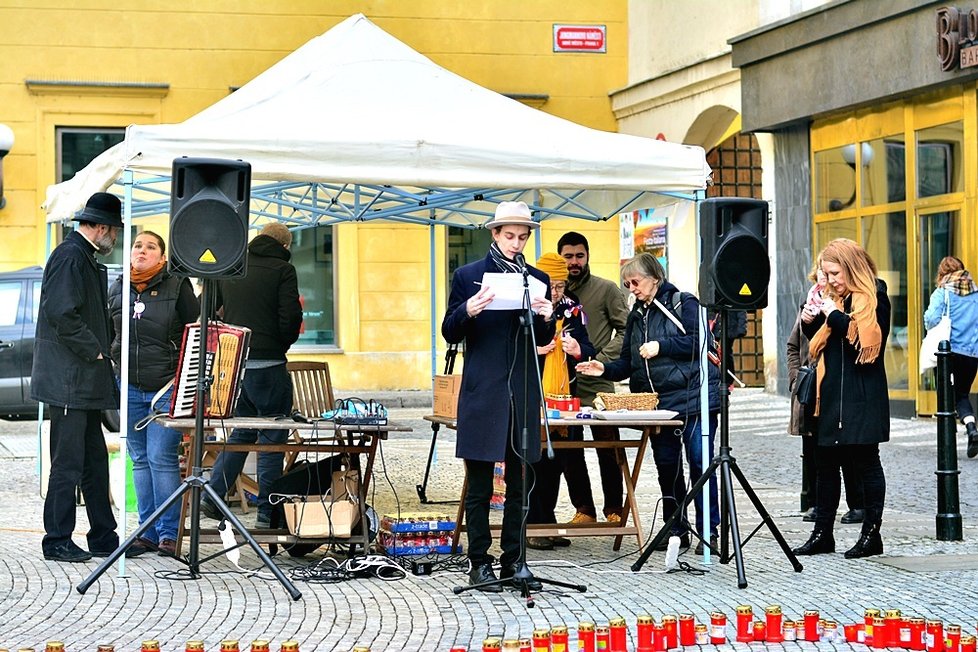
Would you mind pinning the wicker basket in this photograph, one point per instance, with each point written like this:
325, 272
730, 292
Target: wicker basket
637, 401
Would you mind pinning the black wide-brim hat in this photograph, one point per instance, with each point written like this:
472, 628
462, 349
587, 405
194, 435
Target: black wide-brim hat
102, 208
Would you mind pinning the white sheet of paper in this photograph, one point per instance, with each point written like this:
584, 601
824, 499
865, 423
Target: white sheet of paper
508, 289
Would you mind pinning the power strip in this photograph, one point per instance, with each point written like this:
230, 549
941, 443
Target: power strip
360, 421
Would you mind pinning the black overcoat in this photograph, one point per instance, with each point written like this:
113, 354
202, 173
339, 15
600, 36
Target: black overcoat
498, 377
73, 329
266, 300
854, 405
675, 372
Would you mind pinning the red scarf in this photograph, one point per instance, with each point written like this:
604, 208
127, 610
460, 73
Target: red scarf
141, 279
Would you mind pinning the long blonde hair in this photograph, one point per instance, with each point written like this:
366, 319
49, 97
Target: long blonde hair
860, 270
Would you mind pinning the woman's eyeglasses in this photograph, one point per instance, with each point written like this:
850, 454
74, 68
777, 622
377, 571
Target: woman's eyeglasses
633, 283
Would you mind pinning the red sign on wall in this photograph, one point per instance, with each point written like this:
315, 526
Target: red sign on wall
580, 38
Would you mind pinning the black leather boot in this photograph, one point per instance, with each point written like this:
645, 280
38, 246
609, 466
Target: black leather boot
870, 543
821, 542
972, 438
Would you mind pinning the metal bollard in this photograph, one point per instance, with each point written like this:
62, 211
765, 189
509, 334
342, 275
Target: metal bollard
948, 506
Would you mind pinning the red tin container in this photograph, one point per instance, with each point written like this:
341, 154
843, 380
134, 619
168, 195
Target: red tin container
585, 637
934, 636
881, 634
687, 630
868, 616
745, 623
893, 621
558, 639
618, 635
811, 625
658, 638
671, 627
760, 630
774, 618
918, 639
644, 624
952, 638
718, 628
541, 640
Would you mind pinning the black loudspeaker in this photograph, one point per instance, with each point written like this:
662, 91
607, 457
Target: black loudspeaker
734, 268
209, 201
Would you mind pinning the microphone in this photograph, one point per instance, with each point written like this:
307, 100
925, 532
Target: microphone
520, 261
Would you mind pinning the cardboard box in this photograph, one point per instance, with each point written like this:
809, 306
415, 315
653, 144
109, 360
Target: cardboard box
446, 395
319, 519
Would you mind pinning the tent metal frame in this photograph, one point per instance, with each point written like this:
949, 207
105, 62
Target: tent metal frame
303, 205
308, 204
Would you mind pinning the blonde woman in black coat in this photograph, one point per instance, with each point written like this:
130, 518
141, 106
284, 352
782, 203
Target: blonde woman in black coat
849, 333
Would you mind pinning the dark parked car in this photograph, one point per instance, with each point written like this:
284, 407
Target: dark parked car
20, 293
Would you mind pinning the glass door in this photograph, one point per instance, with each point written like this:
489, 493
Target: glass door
939, 235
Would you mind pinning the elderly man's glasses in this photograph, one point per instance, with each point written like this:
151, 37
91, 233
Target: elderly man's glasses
633, 283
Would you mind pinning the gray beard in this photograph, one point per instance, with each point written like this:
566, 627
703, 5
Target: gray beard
105, 245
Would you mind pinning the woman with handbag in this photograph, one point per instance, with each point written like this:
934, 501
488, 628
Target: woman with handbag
802, 420
849, 335
660, 354
957, 296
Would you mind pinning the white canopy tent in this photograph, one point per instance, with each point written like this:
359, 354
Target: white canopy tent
357, 126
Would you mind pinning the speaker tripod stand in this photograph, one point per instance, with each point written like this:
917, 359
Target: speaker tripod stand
196, 484
726, 464
523, 577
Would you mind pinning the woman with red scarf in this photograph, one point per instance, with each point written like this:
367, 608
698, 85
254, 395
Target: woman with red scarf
160, 306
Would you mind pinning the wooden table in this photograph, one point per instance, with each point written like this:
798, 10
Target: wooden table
648, 429
319, 436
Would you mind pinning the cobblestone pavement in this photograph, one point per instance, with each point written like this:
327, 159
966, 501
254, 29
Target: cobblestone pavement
918, 574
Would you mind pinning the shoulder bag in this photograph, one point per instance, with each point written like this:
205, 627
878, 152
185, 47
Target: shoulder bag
937, 334
806, 387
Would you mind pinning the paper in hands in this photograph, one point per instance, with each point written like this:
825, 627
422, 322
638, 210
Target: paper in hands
508, 289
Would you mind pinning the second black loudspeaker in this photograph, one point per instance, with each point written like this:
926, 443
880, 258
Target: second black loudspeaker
734, 264
209, 200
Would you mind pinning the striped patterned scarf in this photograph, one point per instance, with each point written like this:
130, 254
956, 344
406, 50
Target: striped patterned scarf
960, 282
503, 264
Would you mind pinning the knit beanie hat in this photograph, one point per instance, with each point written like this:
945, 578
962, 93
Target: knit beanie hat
553, 265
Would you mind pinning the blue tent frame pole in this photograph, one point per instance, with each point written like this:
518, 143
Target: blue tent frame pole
432, 304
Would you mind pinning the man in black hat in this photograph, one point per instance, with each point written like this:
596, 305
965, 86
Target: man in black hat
72, 375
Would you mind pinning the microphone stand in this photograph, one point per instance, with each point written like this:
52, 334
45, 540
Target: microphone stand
196, 484
726, 463
522, 577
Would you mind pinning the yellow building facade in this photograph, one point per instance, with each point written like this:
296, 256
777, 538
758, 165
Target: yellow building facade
99, 66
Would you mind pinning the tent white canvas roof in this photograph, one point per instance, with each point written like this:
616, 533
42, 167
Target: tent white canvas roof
357, 108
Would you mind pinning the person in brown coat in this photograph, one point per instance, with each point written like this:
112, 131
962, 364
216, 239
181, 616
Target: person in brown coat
797, 353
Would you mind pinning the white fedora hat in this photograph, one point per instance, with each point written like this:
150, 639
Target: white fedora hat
515, 213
